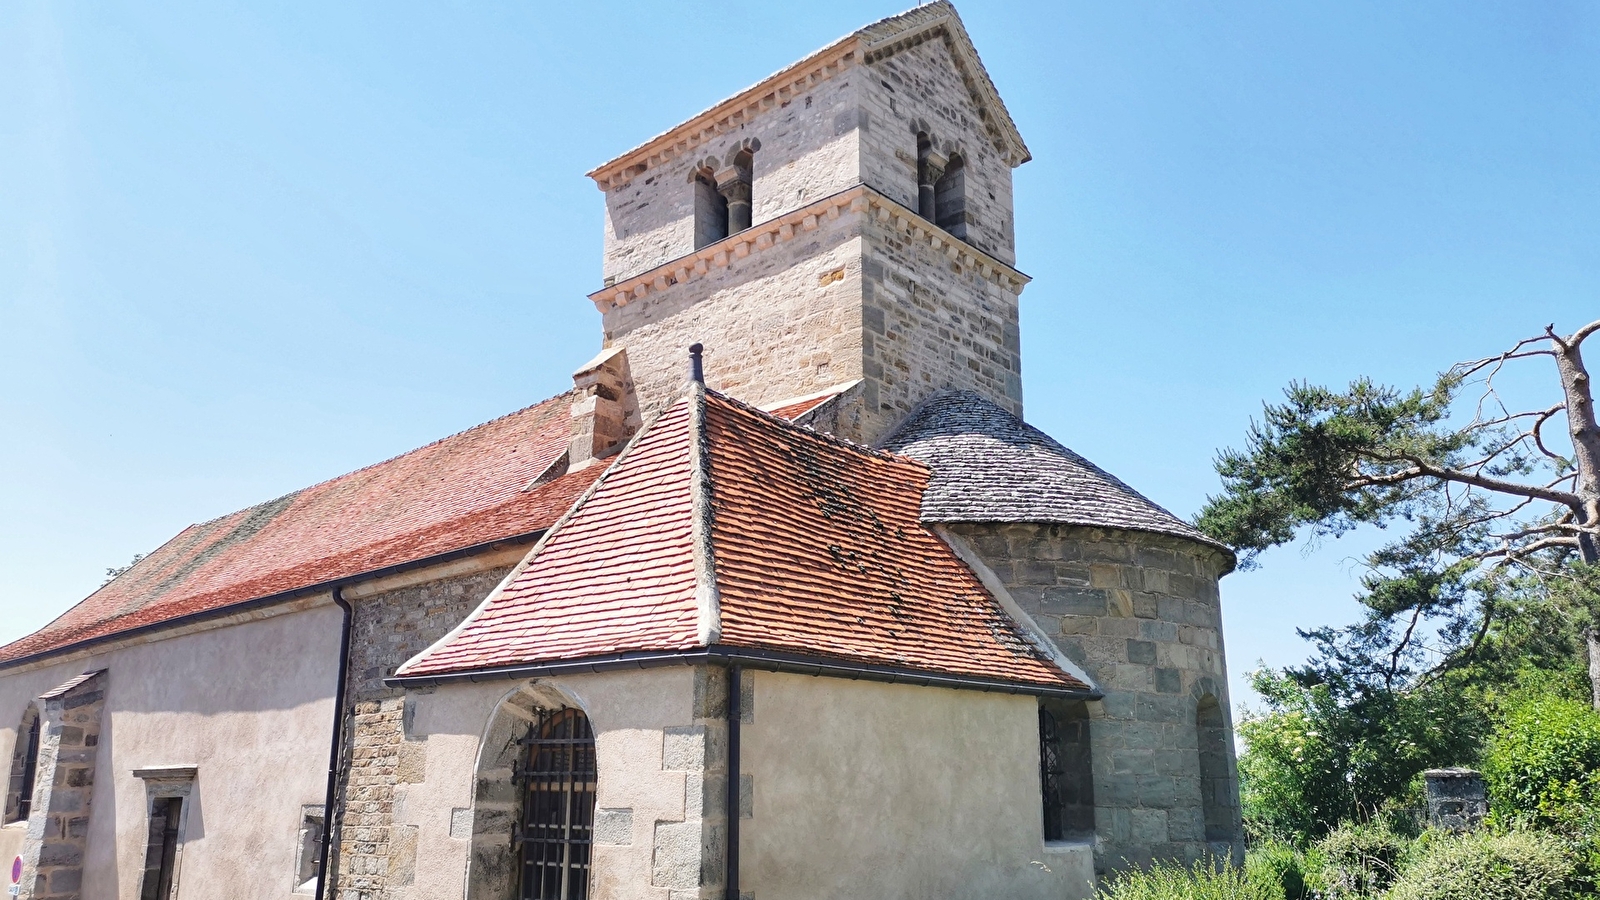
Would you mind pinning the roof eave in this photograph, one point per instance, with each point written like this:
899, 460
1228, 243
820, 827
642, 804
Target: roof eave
751, 658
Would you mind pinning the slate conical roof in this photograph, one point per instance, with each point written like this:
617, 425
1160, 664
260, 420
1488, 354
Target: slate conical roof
724, 527
990, 466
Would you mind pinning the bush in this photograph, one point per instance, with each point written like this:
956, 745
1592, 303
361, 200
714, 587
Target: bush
1215, 880
1516, 865
1292, 874
1542, 758
1361, 860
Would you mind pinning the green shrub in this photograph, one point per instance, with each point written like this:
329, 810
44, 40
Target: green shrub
1293, 875
1214, 880
1541, 760
1515, 865
1361, 860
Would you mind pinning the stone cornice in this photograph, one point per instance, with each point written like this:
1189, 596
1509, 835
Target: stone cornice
765, 235
772, 91
875, 42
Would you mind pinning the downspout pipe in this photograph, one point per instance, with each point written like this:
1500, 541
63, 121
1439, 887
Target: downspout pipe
735, 717
336, 744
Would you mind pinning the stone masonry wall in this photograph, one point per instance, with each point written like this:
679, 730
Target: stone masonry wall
921, 86
1141, 613
375, 857
808, 150
779, 322
58, 823
929, 323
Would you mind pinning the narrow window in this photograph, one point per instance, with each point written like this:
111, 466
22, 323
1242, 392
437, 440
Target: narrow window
1066, 778
710, 209
161, 851
558, 776
24, 766
1216, 788
950, 198
309, 854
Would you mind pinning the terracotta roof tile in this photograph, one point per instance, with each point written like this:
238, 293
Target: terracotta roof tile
456, 493
816, 546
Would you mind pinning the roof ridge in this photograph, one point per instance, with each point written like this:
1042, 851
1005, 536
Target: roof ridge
823, 436
382, 462
707, 592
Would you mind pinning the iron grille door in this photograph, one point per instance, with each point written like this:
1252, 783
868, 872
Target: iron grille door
557, 778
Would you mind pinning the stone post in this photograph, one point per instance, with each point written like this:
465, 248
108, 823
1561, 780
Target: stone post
1457, 799
734, 185
929, 171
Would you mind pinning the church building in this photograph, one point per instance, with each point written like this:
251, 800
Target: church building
783, 600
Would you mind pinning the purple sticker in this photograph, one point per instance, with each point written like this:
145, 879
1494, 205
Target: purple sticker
16, 870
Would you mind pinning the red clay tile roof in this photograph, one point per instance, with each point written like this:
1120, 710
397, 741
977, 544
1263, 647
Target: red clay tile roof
796, 407
457, 493
816, 548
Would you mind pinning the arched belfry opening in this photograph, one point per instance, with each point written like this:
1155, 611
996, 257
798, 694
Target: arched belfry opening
710, 208
532, 819
950, 197
724, 194
24, 767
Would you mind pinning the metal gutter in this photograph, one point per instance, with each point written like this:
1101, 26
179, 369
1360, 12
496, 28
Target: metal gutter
763, 660
336, 744
274, 599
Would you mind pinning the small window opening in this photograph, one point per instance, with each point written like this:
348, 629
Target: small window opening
1067, 780
24, 767
1216, 788
950, 198
557, 779
710, 209
310, 849
161, 851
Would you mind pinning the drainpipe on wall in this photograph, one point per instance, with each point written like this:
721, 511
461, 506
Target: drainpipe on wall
336, 745
735, 676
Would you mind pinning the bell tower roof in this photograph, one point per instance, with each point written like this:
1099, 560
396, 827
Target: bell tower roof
868, 45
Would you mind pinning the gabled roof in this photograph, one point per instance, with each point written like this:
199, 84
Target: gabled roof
990, 466
722, 526
460, 492
868, 44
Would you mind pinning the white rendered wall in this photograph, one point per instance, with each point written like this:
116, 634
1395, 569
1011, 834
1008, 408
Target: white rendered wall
894, 792
250, 705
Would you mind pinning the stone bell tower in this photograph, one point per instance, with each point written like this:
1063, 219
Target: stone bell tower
845, 223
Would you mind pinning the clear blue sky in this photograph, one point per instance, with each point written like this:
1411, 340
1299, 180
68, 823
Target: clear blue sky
244, 249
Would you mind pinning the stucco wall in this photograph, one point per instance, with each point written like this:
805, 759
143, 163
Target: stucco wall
250, 705
861, 789
654, 749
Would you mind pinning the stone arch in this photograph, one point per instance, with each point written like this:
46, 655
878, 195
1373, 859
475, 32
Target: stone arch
746, 147
496, 805
1219, 800
24, 766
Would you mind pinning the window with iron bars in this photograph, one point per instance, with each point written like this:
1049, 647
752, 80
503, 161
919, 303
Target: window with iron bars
556, 777
1065, 773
